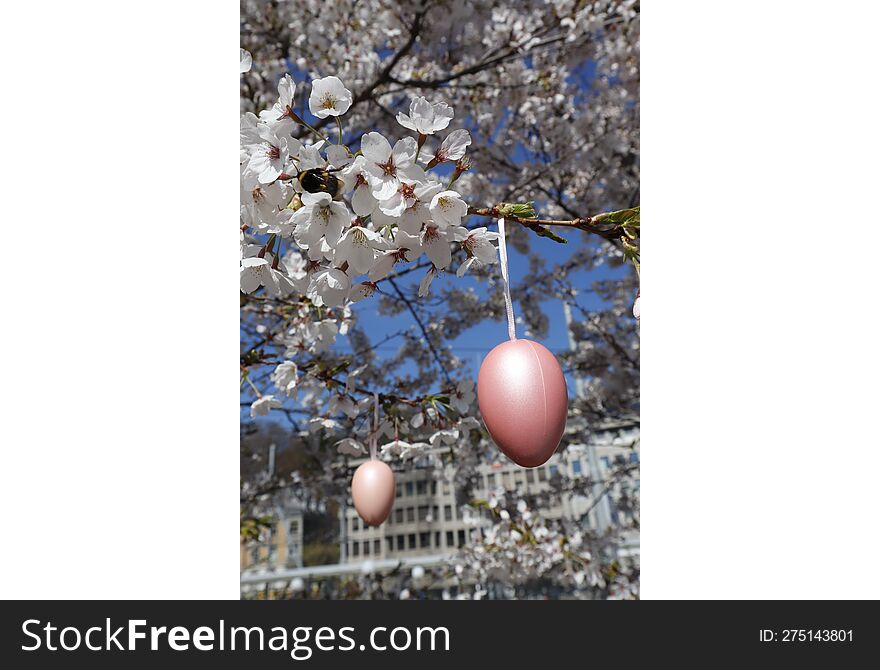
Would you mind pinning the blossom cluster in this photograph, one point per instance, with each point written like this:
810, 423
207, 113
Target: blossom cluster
360, 213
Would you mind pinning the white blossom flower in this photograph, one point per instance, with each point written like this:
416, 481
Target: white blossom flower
245, 60
405, 247
452, 148
252, 273
285, 378
358, 248
280, 117
481, 251
350, 447
637, 312
425, 284
435, 244
329, 97
419, 213
262, 202
403, 198
319, 217
385, 165
402, 449
269, 158
426, 118
320, 423
262, 405
248, 135
338, 156
464, 395
355, 175
329, 286
361, 291
448, 209
342, 404
445, 436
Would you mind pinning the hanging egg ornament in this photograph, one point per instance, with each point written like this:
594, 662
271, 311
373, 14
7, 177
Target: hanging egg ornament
523, 398
372, 491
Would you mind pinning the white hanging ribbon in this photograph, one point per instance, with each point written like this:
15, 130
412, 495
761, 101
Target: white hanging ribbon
502, 249
374, 434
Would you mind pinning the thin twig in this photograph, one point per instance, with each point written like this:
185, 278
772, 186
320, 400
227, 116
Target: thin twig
424, 330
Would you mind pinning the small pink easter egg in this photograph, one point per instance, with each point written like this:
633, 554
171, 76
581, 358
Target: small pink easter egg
524, 400
372, 490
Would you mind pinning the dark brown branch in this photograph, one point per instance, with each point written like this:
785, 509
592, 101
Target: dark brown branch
586, 224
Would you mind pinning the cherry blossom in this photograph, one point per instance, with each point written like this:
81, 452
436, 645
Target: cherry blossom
280, 117
329, 286
386, 165
448, 209
246, 61
424, 117
329, 97
480, 249
262, 405
285, 378
319, 217
452, 149
358, 248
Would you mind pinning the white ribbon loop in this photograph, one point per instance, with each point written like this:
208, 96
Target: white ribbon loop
374, 434
502, 250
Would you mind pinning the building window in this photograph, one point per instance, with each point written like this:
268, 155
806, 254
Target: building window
366, 547
354, 523
390, 542
461, 538
398, 515
421, 487
633, 457
377, 547
576, 466
542, 474
447, 512
605, 463
450, 539
411, 540
293, 528
424, 540
400, 490
437, 539
490, 479
433, 487
554, 470
410, 514
445, 488
423, 512
400, 543
409, 488
355, 549
530, 476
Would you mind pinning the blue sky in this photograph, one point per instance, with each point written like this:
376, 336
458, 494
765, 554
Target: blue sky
472, 345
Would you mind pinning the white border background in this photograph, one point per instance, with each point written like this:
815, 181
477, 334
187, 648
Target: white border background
120, 401
120, 404
760, 455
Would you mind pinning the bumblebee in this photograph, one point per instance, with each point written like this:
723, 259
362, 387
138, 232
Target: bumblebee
317, 180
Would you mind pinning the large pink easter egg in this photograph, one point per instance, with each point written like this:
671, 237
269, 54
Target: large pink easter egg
372, 490
524, 400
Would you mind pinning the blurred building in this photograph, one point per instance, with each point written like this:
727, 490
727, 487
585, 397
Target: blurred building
426, 526
426, 519
281, 546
